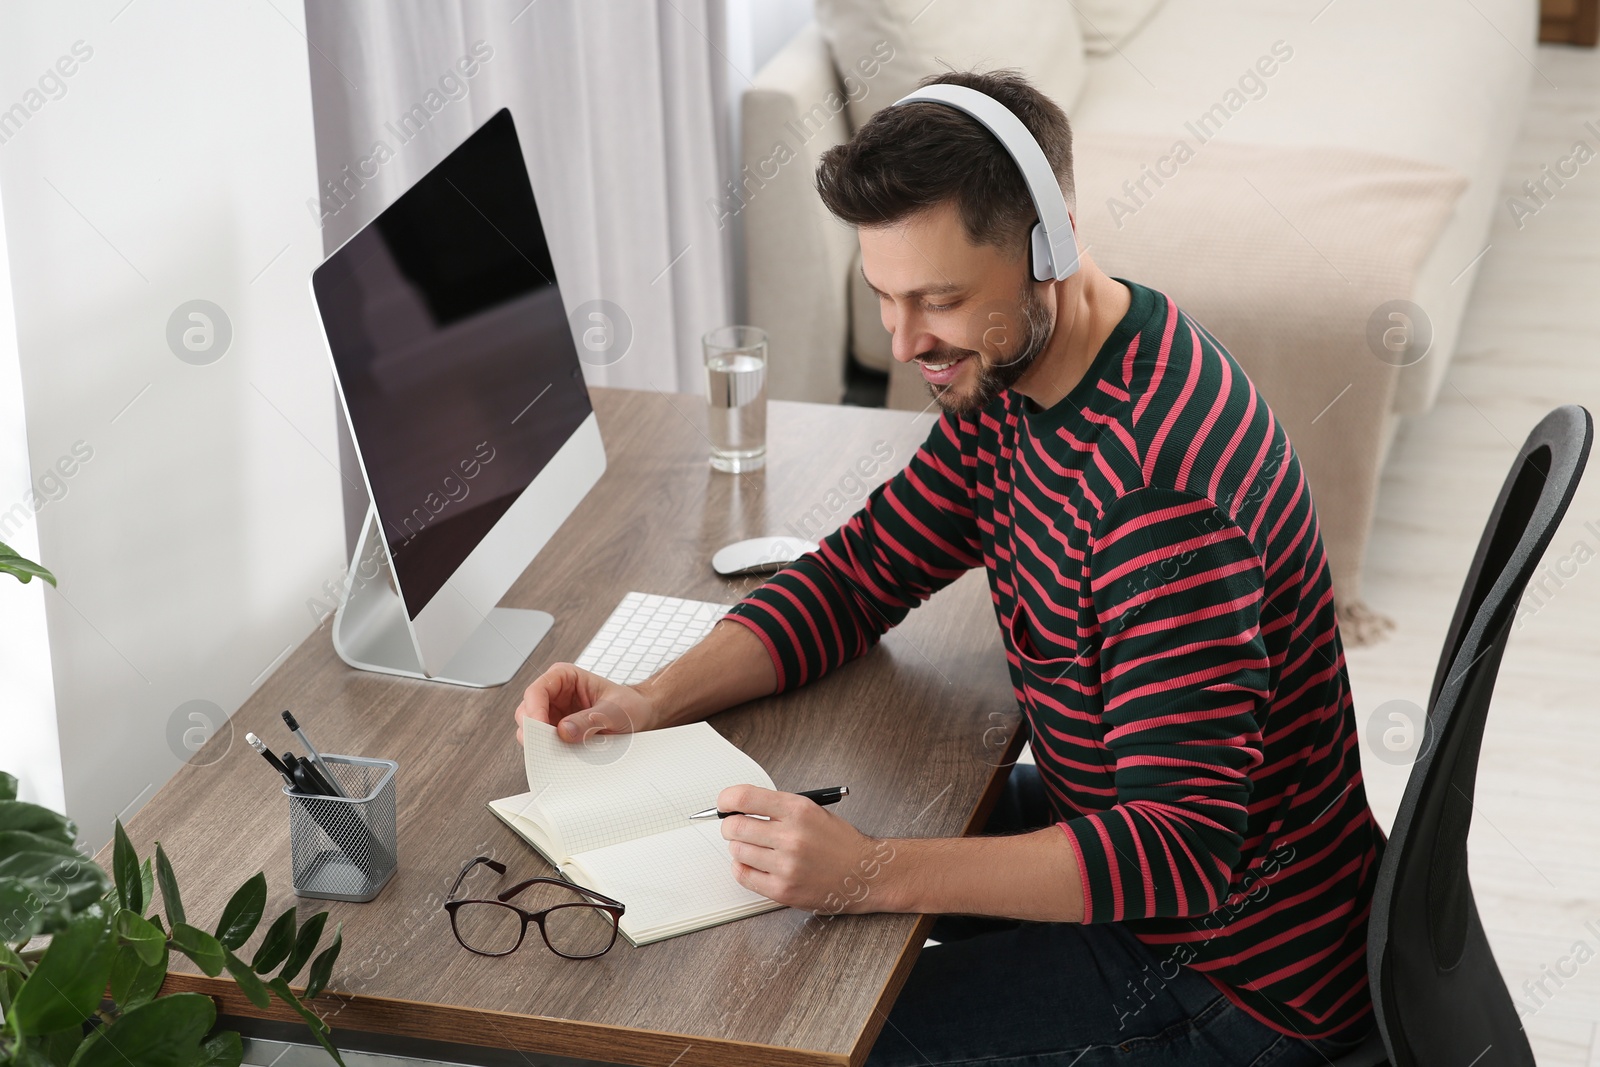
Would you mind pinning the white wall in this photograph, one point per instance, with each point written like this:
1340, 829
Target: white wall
28, 744
173, 164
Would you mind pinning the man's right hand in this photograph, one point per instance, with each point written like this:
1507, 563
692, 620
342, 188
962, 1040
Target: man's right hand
727, 667
579, 704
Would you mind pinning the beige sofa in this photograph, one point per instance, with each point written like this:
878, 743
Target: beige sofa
1323, 185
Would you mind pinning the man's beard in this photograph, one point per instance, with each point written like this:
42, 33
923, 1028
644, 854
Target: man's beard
994, 378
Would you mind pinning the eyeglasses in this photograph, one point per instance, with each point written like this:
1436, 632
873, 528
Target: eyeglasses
576, 923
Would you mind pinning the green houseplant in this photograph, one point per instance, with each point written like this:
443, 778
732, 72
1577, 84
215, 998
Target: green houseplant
24, 569
90, 998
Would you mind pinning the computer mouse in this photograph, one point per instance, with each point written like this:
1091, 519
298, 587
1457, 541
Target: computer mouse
759, 555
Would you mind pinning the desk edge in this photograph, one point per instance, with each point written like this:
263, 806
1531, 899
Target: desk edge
532, 1033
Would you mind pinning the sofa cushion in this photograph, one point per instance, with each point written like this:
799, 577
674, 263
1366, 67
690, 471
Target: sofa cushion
796, 254
1433, 80
1368, 74
882, 48
1290, 255
1105, 24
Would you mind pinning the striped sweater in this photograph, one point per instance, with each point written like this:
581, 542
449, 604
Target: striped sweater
1167, 613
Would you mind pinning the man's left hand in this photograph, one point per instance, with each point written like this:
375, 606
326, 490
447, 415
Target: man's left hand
802, 855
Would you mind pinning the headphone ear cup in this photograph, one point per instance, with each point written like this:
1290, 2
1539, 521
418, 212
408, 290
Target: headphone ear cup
1043, 266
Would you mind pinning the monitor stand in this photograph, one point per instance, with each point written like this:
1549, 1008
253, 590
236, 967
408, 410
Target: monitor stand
371, 633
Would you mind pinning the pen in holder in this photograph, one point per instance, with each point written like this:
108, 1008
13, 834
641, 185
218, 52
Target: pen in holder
343, 848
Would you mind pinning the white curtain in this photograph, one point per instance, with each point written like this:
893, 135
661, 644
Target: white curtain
621, 107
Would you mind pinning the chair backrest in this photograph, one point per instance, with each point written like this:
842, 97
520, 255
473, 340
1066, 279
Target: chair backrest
1437, 992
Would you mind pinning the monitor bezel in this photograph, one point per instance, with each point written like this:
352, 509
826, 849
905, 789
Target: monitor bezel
462, 604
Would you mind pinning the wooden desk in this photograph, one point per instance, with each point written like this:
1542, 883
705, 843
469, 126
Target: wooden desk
1569, 22
919, 729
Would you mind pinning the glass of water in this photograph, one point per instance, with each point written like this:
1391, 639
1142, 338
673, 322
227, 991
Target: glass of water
736, 388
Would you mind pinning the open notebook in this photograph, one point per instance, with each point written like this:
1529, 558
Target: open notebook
615, 819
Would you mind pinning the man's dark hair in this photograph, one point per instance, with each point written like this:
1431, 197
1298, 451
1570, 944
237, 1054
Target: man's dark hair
908, 158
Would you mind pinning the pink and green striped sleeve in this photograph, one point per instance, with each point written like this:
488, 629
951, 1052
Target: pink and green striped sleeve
1177, 589
915, 534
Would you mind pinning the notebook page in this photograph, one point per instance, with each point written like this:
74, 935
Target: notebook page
672, 883
521, 813
634, 785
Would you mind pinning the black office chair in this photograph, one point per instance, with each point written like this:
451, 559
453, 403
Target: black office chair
1438, 995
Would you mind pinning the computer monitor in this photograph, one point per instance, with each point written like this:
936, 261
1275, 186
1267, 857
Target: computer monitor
461, 384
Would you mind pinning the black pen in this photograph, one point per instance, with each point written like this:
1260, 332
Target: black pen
266, 754
305, 776
315, 757
823, 797
324, 782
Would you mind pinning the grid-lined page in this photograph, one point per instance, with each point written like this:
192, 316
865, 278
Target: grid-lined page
521, 813
672, 883
633, 785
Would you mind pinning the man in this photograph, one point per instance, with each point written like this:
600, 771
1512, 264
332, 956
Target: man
1198, 862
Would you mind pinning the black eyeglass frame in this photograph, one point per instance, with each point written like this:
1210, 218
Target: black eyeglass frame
614, 908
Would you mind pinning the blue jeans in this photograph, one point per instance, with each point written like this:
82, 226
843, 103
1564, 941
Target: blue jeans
1015, 994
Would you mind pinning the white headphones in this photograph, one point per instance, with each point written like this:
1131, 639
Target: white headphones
1055, 251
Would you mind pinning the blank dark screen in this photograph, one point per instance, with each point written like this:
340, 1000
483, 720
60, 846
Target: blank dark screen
454, 353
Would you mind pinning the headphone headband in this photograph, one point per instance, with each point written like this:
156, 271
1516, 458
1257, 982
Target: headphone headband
1055, 251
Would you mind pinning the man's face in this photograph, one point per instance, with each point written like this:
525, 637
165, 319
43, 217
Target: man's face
970, 316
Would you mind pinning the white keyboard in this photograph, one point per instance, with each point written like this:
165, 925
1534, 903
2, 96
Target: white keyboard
645, 633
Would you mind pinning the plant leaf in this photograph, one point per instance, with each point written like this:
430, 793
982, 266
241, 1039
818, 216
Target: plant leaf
250, 985
28, 841
132, 981
76, 878
147, 886
20, 815
304, 945
125, 966
277, 944
8, 786
222, 1050
9, 960
125, 865
67, 981
32, 1054
319, 1028
137, 933
170, 900
38, 864
205, 950
322, 966
60, 1046
163, 1033
243, 913
26, 909
24, 569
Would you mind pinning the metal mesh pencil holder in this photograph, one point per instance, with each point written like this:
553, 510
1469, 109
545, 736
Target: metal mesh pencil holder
343, 848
